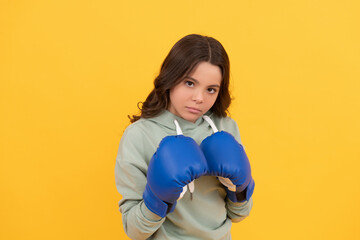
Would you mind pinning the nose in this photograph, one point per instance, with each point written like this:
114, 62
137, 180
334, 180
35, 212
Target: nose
198, 97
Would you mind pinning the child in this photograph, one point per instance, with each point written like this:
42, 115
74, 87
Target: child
178, 176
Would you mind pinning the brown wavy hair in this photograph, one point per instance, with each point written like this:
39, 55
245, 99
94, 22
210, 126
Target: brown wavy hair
181, 60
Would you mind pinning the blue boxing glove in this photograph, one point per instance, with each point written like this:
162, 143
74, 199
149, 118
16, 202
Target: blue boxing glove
227, 159
177, 162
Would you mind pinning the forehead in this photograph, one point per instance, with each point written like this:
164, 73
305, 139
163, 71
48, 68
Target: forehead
207, 73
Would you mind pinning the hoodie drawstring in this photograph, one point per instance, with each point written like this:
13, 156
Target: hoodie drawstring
211, 123
225, 181
191, 185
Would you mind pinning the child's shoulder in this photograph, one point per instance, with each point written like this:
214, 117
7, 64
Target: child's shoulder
224, 123
139, 125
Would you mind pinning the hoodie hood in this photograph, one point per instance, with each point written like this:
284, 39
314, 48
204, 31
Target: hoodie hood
166, 119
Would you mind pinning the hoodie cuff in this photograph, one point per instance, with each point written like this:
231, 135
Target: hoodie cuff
149, 214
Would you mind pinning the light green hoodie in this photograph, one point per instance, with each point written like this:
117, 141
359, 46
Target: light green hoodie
208, 215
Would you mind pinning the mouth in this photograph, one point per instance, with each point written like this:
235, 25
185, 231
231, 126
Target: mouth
193, 110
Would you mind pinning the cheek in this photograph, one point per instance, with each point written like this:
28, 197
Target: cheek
176, 95
211, 101
215, 97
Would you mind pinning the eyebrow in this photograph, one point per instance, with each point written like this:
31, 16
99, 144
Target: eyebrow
214, 85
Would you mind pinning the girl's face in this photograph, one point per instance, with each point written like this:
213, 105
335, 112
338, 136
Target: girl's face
197, 93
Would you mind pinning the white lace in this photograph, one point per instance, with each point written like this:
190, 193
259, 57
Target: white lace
191, 185
211, 123
225, 181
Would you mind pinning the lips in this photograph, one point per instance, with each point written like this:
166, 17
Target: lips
193, 110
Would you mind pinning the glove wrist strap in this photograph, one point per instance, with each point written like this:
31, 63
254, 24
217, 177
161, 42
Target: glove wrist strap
241, 196
156, 205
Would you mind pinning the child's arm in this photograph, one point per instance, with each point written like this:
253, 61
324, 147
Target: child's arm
130, 176
238, 211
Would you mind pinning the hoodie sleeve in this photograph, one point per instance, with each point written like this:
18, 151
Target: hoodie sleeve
237, 211
130, 177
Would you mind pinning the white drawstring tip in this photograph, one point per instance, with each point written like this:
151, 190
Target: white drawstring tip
183, 192
191, 187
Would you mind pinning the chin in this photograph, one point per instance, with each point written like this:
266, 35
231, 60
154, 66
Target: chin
191, 118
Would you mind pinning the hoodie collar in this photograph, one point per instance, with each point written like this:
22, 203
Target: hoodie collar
166, 119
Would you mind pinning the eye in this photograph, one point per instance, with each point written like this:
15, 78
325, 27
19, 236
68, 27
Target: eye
211, 90
189, 83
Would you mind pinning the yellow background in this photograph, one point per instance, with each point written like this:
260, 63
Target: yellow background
71, 72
